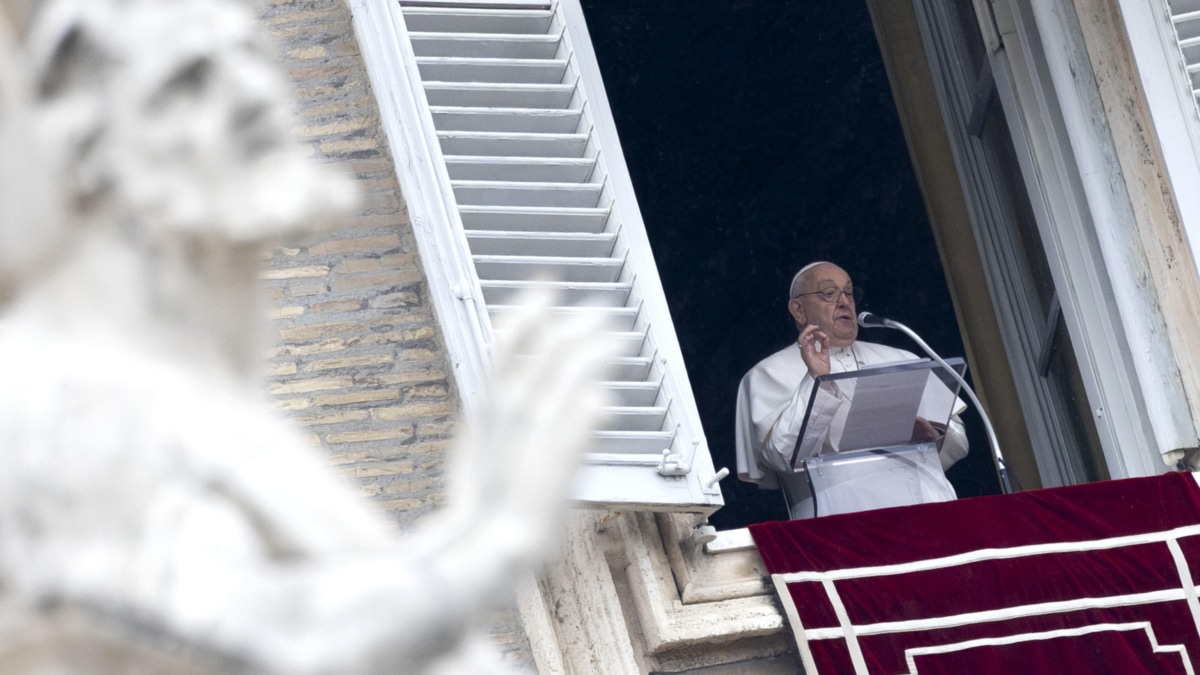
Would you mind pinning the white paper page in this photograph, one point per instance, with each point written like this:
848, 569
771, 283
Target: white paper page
938, 403
882, 414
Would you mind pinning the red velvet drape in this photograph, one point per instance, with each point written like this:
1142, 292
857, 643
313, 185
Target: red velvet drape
1096, 578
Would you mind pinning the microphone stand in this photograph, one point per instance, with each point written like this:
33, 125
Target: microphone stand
1001, 467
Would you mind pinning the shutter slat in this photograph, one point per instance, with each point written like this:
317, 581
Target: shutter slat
633, 442
625, 344
1192, 56
480, 95
486, 45
454, 20
512, 267
532, 218
542, 120
624, 459
616, 318
570, 245
507, 71
628, 343
519, 169
634, 418
479, 4
631, 368
633, 393
569, 294
513, 144
496, 193
1185, 15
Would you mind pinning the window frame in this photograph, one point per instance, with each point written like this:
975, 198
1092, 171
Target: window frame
1090, 237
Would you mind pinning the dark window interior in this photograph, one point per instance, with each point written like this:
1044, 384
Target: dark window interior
761, 135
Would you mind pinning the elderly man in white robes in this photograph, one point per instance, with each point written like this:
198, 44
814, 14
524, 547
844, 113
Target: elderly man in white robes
773, 397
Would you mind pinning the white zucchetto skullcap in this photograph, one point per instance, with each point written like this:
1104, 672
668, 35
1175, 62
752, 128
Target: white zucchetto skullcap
794, 289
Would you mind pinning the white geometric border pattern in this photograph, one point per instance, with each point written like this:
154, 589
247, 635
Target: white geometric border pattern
911, 655
850, 632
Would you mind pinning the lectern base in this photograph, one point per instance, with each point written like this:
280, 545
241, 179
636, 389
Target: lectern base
876, 479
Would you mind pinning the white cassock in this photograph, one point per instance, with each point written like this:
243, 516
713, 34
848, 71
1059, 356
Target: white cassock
772, 399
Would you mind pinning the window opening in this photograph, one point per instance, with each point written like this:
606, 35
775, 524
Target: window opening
761, 136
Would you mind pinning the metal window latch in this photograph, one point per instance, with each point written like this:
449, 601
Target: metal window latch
672, 464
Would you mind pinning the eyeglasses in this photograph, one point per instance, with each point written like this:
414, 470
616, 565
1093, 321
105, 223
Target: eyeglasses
831, 295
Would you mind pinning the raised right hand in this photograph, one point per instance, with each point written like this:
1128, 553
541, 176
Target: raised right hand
814, 349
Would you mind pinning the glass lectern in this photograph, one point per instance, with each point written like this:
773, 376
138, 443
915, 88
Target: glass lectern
859, 444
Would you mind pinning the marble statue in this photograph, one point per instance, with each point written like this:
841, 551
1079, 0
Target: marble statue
155, 514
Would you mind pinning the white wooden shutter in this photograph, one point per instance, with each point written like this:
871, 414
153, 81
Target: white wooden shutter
1185, 15
512, 172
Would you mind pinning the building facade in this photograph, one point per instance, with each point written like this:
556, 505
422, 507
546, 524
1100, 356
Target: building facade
1057, 146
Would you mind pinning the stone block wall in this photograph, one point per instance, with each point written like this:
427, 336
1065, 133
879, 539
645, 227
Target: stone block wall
358, 358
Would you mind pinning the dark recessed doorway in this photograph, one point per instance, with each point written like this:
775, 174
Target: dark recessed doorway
762, 135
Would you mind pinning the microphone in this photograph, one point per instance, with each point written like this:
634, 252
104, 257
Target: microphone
869, 320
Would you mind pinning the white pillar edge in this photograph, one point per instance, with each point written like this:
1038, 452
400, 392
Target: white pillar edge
1169, 418
1172, 108
539, 628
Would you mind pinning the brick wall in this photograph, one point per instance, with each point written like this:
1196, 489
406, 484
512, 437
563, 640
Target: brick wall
360, 361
